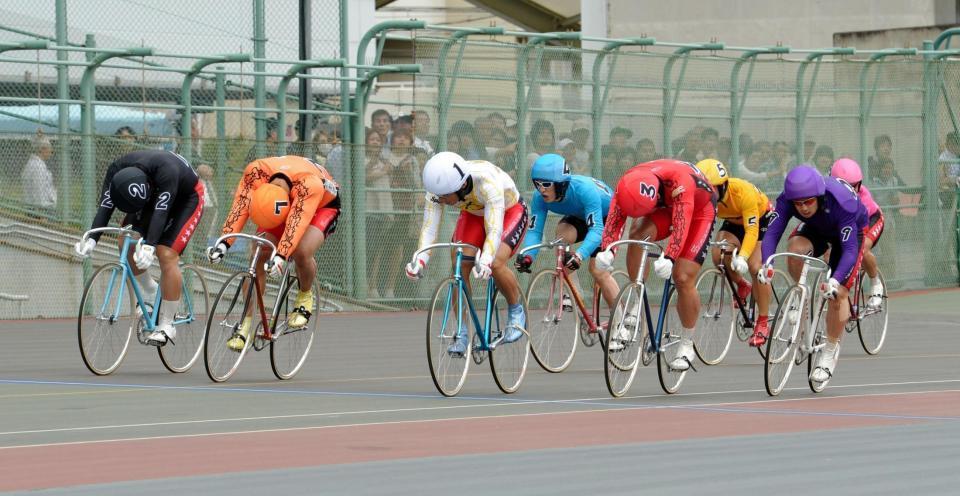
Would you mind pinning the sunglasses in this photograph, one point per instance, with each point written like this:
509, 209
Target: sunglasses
805, 203
542, 184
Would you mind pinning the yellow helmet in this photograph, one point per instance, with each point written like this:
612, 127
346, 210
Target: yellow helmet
717, 173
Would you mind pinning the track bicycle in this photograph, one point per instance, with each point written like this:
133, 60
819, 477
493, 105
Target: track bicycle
870, 322
242, 297
723, 311
628, 345
112, 310
551, 295
796, 336
449, 317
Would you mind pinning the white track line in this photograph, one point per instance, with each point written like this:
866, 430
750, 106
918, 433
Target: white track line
624, 407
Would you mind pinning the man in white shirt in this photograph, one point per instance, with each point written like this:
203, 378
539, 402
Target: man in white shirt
38, 188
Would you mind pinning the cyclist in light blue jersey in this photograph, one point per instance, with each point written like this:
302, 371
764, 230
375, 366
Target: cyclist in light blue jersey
583, 202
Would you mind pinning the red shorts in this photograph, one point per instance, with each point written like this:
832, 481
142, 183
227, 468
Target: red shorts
698, 238
470, 228
325, 220
874, 227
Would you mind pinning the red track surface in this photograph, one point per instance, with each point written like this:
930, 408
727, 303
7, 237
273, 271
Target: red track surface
124, 460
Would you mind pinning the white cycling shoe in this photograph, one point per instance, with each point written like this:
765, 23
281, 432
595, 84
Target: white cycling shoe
162, 333
685, 356
825, 366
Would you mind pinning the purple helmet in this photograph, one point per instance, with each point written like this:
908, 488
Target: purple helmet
803, 181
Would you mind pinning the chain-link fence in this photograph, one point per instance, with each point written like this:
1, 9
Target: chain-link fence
480, 93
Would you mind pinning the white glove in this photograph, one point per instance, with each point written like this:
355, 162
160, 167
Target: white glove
765, 275
144, 257
829, 289
216, 253
331, 187
663, 267
739, 264
415, 268
275, 266
605, 260
84, 248
482, 269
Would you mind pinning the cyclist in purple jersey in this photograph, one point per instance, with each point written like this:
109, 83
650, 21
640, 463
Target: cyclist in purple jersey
832, 217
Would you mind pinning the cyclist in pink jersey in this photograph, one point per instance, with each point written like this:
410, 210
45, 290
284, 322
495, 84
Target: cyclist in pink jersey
848, 170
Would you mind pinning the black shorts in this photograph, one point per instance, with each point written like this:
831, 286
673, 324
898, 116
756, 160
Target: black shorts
582, 229
821, 243
739, 232
182, 221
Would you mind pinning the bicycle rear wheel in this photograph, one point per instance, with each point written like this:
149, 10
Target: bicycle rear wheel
290, 346
819, 339
508, 361
232, 304
670, 378
872, 322
106, 319
191, 321
716, 323
624, 342
448, 371
553, 331
781, 346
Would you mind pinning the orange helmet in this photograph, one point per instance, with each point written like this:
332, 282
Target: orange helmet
638, 192
269, 206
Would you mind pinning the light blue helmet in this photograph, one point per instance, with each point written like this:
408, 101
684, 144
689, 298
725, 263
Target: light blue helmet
550, 167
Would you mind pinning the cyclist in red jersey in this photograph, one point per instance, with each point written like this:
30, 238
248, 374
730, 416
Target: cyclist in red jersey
674, 199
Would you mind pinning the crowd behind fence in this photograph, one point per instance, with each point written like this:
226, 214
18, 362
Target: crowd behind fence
604, 108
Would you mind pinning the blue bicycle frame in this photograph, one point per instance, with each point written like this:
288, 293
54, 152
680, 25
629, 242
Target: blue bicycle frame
126, 273
461, 286
656, 334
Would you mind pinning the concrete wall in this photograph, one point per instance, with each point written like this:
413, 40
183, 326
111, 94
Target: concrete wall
801, 24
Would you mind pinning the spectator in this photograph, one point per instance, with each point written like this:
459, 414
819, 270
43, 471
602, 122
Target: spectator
405, 124
881, 186
210, 226
753, 169
543, 140
382, 123
581, 138
780, 162
949, 169
691, 145
484, 128
616, 157
498, 121
498, 140
324, 144
39, 192
766, 152
725, 150
379, 205
883, 148
886, 177
421, 131
271, 142
403, 169
567, 148
809, 146
823, 159
746, 145
646, 151
709, 144
463, 140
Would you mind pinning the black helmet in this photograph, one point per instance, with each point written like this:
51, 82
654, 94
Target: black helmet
129, 190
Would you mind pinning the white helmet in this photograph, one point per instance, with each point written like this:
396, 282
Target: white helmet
444, 173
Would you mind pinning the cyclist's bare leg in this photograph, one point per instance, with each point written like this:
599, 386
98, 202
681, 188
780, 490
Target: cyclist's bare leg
734, 243
799, 245
838, 311
568, 234
608, 285
869, 259
303, 256
639, 230
688, 300
170, 276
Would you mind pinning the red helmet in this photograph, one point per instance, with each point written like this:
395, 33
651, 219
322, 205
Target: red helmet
638, 192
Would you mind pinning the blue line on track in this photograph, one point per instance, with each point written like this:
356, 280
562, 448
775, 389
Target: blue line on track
587, 402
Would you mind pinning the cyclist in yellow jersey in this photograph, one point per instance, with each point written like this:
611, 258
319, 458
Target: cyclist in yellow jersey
746, 212
492, 216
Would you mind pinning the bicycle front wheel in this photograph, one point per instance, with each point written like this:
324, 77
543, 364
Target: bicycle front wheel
233, 303
625, 341
872, 322
782, 344
716, 323
191, 321
553, 329
819, 340
290, 346
670, 378
508, 361
447, 311
106, 319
